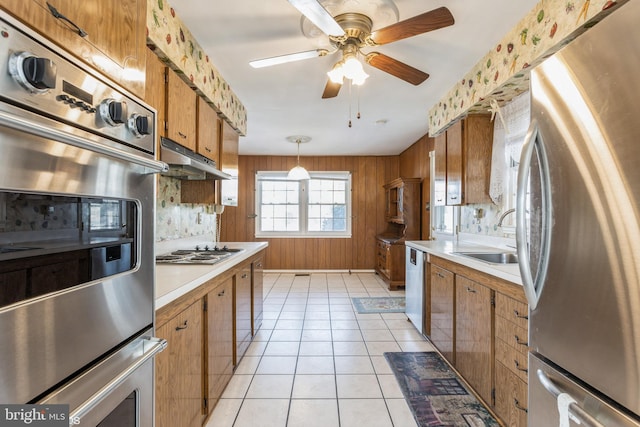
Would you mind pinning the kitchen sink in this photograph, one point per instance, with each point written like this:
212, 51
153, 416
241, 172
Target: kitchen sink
492, 257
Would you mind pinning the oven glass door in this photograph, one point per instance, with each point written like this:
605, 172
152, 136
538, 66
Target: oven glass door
50, 243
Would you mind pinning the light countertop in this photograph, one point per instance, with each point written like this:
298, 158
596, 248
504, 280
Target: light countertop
446, 249
175, 280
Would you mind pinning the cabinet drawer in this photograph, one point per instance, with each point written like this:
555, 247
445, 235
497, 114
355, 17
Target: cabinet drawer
441, 274
512, 310
515, 336
511, 397
516, 361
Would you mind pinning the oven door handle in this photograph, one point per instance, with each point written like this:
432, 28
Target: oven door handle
34, 128
157, 345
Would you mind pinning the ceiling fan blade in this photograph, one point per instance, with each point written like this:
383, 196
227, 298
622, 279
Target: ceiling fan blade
275, 60
331, 89
317, 14
396, 68
428, 21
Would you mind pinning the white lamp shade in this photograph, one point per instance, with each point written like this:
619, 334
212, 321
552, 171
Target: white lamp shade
298, 173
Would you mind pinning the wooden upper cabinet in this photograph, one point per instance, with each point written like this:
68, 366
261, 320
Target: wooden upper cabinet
468, 164
229, 149
155, 91
440, 178
208, 131
229, 164
181, 111
115, 43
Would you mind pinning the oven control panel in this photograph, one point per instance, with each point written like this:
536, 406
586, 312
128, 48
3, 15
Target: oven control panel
38, 77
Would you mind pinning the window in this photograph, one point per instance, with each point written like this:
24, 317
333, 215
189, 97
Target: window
319, 207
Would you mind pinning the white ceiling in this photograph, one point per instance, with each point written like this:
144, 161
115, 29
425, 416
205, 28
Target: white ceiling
285, 99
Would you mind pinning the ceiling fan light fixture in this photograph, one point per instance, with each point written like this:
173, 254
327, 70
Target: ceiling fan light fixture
336, 75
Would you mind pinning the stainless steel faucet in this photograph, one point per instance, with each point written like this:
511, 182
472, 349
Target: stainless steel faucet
507, 212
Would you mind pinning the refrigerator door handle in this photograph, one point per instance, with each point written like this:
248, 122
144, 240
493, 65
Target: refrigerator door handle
533, 144
576, 412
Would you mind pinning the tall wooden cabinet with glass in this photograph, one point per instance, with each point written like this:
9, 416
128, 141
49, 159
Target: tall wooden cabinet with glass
402, 214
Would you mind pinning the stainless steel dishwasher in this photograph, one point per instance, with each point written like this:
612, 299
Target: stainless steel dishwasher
414, 287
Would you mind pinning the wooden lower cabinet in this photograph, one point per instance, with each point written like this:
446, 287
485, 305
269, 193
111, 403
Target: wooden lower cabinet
443, 311
480, 325
192, 373
242, 312
474, 334
219, 350
179, 370
257, 295
511, 397
390, 262
512, 369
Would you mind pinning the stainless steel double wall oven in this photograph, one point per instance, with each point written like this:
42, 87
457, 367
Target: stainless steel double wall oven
77, 198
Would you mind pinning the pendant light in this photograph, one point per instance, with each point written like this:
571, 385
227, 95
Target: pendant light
298, 173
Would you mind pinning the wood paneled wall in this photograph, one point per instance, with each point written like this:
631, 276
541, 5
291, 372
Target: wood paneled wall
369, 174
414, 163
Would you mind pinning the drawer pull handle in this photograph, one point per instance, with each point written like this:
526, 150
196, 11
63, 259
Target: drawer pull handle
471, 290
520, 316
207, 149
182, 135
517, 405
244, 276
520, 342
519, 368
183, 326
440, 275
453, 197
221, 294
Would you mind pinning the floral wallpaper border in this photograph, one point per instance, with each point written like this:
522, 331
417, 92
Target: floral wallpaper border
502, 74
172, 41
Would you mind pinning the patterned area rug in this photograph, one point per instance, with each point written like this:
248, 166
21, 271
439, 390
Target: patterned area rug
379, 304
434, 394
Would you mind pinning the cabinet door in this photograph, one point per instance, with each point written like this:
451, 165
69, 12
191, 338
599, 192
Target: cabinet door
220, 340
478, 142
455, 164
208, 123
440, 176
257, 295
179, 370
115, 43
155, 91
511, 397
181, 111
242, 314
229, 164
442, 311
473, 335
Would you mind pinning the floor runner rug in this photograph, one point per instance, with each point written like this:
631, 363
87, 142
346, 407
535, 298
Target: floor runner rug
434, 393
379, 304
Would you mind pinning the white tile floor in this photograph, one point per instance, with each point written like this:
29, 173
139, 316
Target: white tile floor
317, 362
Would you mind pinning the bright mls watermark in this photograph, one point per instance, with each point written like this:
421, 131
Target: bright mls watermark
34, 415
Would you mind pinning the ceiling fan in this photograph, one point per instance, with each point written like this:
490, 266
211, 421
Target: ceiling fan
351, 31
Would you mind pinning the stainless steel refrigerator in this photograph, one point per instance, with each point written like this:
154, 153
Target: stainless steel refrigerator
578, 215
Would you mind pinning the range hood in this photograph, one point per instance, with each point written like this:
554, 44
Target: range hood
187, 164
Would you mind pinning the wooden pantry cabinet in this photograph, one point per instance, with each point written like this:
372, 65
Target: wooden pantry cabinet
463, 162
115, 33
480, 324
402, 214
203, 344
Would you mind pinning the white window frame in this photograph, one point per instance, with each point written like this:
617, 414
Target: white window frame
303, 205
